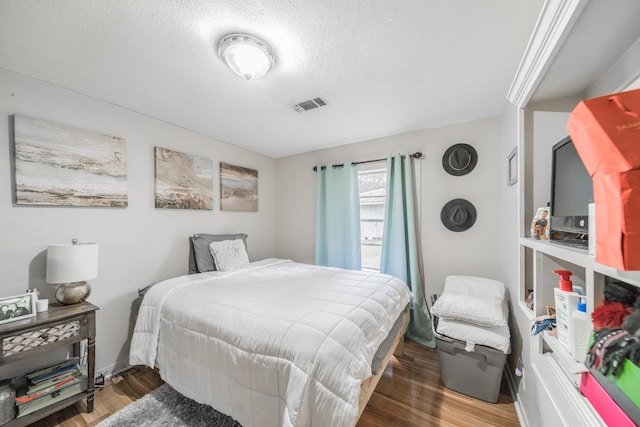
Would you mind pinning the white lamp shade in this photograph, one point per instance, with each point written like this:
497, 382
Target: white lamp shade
246, 55
72, 263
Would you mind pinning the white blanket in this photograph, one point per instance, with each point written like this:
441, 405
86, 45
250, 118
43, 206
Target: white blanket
275, 344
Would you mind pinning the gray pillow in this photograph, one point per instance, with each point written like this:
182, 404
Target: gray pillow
201, 252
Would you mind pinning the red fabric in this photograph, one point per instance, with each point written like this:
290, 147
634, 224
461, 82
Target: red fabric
609, 315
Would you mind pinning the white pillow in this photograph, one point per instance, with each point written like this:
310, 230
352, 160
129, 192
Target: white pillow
229, 255
472, 299
497, 337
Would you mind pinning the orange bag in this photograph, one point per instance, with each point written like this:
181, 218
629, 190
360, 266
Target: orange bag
617, 199
606, 134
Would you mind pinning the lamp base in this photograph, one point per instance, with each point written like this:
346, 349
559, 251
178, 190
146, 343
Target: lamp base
73, 293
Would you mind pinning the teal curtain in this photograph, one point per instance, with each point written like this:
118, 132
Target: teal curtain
399, 244
338, 217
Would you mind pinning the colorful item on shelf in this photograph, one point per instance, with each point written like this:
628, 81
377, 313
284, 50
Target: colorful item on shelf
564, 283
623, 389
603, 403
610, 348
609, 315
543, 324
566, 304
604, 131
582, 329
540, 224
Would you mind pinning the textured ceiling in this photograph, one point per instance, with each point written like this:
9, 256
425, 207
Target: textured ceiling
385, 67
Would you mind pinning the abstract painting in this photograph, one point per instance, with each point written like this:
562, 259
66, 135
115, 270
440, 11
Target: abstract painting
238, 188
183, 181
61, 165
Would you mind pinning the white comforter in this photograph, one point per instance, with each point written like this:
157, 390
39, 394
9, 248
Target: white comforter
275, 344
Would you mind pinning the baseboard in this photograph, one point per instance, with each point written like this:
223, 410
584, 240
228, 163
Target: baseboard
522, 416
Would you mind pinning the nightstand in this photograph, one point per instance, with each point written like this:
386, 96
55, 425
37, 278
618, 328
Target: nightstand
61, 325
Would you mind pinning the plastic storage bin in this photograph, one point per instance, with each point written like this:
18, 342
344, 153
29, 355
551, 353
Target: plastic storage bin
621, 397
477, 374
603, 403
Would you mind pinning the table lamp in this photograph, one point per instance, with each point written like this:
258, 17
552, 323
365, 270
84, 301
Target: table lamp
72, 265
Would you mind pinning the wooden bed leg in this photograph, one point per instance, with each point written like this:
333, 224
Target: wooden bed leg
399, 351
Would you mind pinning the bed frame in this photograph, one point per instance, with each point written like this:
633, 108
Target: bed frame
396, 349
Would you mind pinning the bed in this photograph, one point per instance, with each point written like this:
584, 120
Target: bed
273, 342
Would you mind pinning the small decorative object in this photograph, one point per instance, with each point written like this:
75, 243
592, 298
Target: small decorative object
512, 167
42, 305
458, 215
459, 159
72, 265
238, 188
183, 181
551, 311
529, 300
17, 307
540, 225
61, 165
7, 402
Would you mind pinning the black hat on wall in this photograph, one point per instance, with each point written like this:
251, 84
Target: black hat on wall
458, 215
459, 159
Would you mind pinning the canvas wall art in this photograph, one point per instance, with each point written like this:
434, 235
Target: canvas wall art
60, 165
183, 181
238, 188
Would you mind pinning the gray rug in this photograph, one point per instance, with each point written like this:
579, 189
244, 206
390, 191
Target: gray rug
166, 407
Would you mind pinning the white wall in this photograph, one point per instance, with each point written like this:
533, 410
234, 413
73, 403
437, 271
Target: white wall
140, 244
444, 252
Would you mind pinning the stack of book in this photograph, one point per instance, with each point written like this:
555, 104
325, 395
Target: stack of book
51, 385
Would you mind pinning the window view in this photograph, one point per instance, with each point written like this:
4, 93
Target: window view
372, 185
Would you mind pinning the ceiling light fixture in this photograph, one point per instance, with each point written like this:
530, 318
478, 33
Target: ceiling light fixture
247, 56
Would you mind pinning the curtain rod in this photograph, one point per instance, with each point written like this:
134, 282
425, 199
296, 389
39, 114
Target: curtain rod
416, 155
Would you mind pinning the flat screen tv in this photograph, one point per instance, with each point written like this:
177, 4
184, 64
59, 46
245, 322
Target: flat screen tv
571, 191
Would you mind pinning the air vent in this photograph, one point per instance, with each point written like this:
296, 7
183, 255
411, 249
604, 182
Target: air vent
310, 104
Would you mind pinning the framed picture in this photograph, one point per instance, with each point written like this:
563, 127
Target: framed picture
18, 307
540, 224
65, 166
238, 188
183, 181
512, 168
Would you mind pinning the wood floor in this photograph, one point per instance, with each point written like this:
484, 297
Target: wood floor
410, 394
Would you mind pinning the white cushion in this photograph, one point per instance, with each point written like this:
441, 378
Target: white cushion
472, 299
229, 255
497, 337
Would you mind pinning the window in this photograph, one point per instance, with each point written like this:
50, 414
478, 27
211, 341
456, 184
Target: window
373, 196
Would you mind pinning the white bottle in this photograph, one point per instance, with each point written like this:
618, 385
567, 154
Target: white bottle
566, 303
582, 327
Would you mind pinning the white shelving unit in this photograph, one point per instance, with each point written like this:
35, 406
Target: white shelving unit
601, 45
556, 369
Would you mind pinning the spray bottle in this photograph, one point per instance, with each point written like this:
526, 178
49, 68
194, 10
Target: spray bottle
566, 303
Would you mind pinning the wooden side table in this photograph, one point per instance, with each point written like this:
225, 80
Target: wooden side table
61, 325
